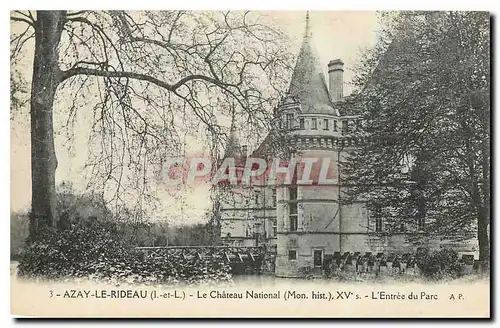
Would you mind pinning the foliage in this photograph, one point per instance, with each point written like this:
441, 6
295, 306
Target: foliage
72, 208
18, 233
97, 250
93, 242
423, 158
443, 263
197, 234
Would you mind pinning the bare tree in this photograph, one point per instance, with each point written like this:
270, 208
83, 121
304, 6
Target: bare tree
148, 76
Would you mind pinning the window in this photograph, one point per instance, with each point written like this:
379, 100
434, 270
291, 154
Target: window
289, 121
295, 174
293, 216
275, 227
334, 125
318, 258
378, 224
326, 124
256, 197
345, 126
302, 123
257, 228
292, 254
314, 124
420, 221
375, 212
293, 219
274, 197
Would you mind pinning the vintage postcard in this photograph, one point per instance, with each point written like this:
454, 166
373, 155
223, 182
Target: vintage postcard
264, 164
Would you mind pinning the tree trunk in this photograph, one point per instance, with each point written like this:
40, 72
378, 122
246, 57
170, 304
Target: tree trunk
46, 78
484, 220
482, 236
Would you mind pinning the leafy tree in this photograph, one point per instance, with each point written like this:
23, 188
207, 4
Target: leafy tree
149, 76
424, 153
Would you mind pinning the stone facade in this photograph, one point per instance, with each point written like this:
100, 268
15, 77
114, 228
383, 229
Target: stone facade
305, 222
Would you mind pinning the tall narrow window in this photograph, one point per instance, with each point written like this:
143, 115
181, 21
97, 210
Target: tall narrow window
293, 215
257, 228
256, 197
378, 224
314, 124
376, 214
302, 123
345, 126
318, 257
334, 125
293, 219
275, 227
289, 121
274, 197
326, 125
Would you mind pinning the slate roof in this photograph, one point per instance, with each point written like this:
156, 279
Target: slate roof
308, 83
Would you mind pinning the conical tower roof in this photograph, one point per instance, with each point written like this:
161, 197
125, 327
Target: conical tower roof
308, 81
233, 146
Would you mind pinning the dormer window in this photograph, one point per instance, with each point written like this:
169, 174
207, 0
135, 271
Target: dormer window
378, 224
302, 123
314, 124
289, 121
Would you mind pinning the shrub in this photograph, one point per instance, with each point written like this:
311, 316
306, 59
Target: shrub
443, 263
95, 249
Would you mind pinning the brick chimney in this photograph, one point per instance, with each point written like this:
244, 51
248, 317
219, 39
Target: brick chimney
335, 79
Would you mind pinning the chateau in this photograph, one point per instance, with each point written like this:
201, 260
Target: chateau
308, 224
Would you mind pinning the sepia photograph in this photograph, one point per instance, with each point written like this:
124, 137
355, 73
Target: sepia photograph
258, 164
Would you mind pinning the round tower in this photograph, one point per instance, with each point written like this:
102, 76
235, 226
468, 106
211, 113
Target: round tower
311, 222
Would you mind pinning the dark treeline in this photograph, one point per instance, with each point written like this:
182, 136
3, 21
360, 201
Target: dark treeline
75, 209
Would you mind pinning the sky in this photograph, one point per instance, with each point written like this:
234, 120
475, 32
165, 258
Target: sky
336, 34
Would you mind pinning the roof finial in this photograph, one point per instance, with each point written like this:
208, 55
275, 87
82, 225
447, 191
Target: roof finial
307, 23
308, 34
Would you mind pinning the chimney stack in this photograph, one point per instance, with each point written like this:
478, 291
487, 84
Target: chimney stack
335, 79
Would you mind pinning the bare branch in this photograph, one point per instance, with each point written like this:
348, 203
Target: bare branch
24, 20
76, 13
28, 16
